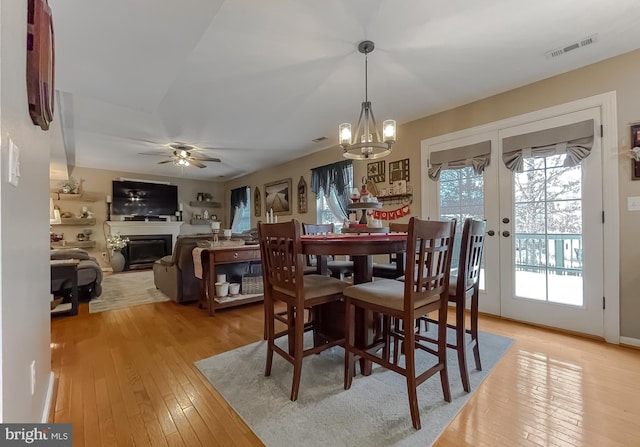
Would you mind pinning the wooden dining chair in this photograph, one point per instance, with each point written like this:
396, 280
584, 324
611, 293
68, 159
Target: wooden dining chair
464, 286
392, 269
284, 282
338, 268
424, 290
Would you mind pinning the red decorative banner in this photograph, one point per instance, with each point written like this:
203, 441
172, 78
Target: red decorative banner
393, 214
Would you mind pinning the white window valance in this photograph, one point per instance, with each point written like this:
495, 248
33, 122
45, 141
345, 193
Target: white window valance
574, 140
477, 155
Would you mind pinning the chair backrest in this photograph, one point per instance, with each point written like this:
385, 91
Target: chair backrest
432, 243
471, 249
318, 228
282, 258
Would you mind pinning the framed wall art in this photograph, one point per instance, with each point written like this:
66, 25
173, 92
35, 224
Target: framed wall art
257, 202
398, 170
375, 171
635, 142
278, 197
302, 196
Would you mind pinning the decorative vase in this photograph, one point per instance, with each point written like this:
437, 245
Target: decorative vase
117, 261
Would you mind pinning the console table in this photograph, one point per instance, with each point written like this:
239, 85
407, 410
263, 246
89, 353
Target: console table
226, 255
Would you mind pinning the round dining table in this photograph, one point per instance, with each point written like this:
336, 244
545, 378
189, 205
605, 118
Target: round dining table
361, 248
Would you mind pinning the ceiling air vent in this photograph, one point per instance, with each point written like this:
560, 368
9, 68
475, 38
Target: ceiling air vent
319, 139
572, 46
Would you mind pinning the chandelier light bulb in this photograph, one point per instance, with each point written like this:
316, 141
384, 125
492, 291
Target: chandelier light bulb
344, 134
389, 131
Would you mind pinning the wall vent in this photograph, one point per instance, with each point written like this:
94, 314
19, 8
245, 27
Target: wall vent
319, 139
572, 46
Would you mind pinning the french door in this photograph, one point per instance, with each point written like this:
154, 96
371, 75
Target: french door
544, 248
551, 235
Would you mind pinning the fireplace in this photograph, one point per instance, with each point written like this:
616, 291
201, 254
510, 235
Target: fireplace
143, 250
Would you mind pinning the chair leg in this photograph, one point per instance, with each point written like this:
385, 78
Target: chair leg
349, 340
269, 331
410, 371
442, 351
474, 329
461, 345
297, 354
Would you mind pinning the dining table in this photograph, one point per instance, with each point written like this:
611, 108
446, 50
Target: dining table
361, 248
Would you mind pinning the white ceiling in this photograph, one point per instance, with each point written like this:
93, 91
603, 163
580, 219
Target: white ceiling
255, 81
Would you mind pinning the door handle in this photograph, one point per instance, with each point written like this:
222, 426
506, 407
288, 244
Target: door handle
506, 234
491, 233
505, 220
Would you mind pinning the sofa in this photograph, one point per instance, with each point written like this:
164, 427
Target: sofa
89, 274
173, 275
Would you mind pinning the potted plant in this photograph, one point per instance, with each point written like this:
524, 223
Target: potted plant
69, 186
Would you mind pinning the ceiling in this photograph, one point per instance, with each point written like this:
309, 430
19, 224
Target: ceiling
256, 81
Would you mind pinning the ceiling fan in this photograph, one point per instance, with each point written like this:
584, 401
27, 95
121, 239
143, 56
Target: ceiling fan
183, 155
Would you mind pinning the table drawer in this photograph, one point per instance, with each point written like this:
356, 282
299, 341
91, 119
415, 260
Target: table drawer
237, 255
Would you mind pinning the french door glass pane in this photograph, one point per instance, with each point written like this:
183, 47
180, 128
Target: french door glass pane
548, 227
461, 195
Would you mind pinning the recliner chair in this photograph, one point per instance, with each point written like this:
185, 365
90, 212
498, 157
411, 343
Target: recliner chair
173, 275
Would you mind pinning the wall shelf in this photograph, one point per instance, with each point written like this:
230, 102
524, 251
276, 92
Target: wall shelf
77, 221
74, 244
396, 198
85, 196
204, 204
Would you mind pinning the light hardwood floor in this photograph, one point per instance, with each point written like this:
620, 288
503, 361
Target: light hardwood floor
126, 377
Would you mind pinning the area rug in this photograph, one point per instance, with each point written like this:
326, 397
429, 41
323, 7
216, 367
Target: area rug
127, 289
374, 412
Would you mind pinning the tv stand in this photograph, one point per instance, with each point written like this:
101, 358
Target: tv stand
145, 219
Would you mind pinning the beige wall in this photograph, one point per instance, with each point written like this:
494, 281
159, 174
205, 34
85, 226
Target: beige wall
618, 74
24, 260
97, 182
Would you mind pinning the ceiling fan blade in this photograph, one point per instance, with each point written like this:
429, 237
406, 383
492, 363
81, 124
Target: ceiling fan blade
164, 161
216, 160
161, 153
195, 162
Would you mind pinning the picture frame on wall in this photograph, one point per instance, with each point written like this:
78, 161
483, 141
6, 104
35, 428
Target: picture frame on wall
635, 142
302, 196
257, 202
277, 197
375, 171
398, 170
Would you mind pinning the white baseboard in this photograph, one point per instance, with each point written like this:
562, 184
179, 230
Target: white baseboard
630, 341
48, 399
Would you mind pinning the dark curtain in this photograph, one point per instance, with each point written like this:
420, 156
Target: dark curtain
239, 197
338, 176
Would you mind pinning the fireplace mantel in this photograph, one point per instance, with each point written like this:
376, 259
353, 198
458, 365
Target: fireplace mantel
141, 228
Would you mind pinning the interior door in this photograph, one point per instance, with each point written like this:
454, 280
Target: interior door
551, 235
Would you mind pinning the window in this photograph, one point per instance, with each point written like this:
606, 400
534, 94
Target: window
325, 211
240, 210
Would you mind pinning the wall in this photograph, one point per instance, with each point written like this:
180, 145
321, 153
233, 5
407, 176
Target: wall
24, 260
97, 182
618, 74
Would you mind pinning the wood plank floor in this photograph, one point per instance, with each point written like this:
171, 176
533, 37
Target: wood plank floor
126, 378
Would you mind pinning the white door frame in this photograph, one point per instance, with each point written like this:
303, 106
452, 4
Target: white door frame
610, 195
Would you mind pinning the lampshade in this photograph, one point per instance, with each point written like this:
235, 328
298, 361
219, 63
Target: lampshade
362, 145
54, 214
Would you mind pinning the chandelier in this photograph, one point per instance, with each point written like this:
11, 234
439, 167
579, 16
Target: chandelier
362, 145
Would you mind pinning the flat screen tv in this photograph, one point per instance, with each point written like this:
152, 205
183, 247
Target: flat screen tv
144, 199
